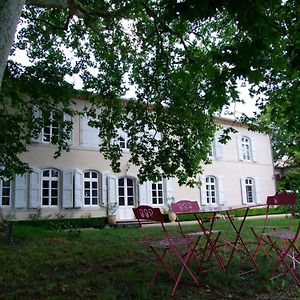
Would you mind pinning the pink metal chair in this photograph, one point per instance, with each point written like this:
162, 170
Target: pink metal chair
192, 207
288, 253
167, 246
279, 199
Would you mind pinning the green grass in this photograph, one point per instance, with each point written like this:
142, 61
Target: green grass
113, 264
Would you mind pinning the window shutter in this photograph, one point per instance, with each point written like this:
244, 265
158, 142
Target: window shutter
78, 188
112, 189
20, 191
67, 195
169, 188
203, 190
257, 190
68, 118
145, 193
218, 147
243, 189
104, 188
36, 114
239, 145
221, 190
253, 149
88, 135
35, 188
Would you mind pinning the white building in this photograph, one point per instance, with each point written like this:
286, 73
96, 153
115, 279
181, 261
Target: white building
80, 183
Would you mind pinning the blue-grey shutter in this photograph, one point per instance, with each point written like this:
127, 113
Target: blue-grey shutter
257, 190
104, 188
36, 114
78, 188
89, 136
170, 187
67, 195
112, 189
145, 193
203, 190
35, 188
20, 191
218, 147
221, 190
253, 149
243, 189
68, 118
239, 147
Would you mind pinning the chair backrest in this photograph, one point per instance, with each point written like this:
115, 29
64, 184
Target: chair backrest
282, 199
288, 199
145, 212
185, 206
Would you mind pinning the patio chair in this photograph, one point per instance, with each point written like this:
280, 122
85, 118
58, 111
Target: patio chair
180, 248
288, 253
279, 199
192, 207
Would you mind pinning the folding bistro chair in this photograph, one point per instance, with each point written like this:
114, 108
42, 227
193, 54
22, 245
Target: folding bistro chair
167, 246
280, 199
192, 207
288, 253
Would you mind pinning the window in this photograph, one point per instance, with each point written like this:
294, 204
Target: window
246, 149
157, 192
249, 187
210, 184
50, 179
91, 188
51, 129
123, 139
5, 192
126, 191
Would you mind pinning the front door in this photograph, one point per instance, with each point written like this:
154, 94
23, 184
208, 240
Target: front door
127, 198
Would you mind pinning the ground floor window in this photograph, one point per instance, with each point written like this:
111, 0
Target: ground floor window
126, 191
211, 190
249, 186
157, 192
50, 179
91, 188
5, 192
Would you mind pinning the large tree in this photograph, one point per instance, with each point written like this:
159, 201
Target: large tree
183, 58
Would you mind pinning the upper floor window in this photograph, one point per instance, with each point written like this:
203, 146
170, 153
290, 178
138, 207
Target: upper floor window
51, 129
211, 189
91, 188
126, 191
123, 139
50, 188
246, 148
5, 192
157, 192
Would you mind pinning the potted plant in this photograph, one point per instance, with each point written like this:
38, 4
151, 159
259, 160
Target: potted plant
111, 213
168, 209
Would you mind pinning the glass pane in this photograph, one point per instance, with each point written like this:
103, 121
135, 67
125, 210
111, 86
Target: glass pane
160, 193
121, 201
121, 191
121, 181
45, 201
94, 193
46, 173
154, 194
54, 184
129, 182
45, 184
153, 186
86, 185
87, 193
54, 201
5, 192
5, 201
45, 192
94, 185
159, 186
94, 175
54, 193
86, 201
94, 201
130, 200
130, 191
86, 174
54, 173
154, 200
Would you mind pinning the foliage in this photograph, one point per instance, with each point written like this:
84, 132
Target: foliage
183, 58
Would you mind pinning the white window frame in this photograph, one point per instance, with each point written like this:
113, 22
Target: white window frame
157, 193
52, 126
50, 179
91, 189
123, 140
2, 186
246, 148
250, 190
210, 191
126, 195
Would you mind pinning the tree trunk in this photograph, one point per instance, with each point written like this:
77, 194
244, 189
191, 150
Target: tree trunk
10, 12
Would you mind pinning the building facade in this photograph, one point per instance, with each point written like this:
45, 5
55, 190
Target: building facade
81, 183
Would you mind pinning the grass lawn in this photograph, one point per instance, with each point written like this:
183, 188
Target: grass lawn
112, 264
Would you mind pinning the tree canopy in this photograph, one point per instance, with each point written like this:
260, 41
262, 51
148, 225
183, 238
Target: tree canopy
183, 58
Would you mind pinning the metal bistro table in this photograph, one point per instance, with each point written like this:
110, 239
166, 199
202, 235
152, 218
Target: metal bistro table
237, 244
